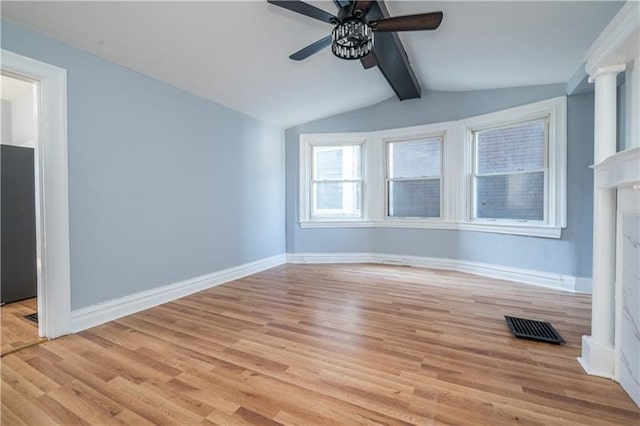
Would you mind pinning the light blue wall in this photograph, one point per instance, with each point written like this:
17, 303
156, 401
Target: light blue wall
163, 185
569, 255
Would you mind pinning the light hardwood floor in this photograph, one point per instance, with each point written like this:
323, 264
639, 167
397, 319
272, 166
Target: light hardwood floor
323, 344
18, 332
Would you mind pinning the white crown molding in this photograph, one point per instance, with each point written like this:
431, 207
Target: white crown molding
91, 316
606, 49
525, 276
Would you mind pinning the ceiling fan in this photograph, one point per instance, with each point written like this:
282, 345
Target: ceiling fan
353, 34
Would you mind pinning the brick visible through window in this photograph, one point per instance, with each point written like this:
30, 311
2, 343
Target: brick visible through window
509, 172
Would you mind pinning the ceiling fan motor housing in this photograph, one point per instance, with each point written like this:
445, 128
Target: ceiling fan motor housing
352, 39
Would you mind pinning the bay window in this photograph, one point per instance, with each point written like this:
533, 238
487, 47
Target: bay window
502, 172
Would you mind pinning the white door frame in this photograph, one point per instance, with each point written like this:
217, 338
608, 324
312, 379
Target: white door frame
52, 196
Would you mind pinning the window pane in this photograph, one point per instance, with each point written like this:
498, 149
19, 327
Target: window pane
519, 196
419, 158
336, 199
511, 149
336, 162
414, 198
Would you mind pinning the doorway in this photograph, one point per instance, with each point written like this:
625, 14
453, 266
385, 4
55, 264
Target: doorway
18, 241
51, 206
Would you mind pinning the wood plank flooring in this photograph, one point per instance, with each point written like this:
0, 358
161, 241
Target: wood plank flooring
16, 331
323, 344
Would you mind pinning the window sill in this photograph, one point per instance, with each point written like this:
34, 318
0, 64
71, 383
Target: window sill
534, 230
337, 224
543, 231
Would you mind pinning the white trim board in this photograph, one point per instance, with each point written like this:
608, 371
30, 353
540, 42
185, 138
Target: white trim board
525, 276
91, 316
52, 193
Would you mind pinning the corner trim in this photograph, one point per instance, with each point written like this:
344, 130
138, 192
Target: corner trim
520, 275
91, 316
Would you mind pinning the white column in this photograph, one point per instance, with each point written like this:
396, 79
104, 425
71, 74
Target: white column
605, 114
604, 260
598, 350
632, 96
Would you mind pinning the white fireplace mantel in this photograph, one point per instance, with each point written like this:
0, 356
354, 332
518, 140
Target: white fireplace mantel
613, 348
620, 173
619, 170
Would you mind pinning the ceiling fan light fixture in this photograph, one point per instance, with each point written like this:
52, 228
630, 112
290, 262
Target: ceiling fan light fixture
352, 39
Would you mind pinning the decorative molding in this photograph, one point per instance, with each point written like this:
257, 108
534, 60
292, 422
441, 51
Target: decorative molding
525, 276
91, 316
610, 69
621, 169
52, 194
606, 49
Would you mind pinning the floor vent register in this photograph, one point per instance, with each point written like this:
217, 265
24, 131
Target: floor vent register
32, 317
533, 330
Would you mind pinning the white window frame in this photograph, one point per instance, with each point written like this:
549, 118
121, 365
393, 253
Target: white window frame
456, 173
317, 213
307, 142
554, 112
544, 170
384, 138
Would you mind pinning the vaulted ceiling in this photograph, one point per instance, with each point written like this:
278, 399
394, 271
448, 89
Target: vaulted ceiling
236, 53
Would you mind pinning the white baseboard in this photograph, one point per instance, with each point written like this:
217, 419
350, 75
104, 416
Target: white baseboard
91, 316
330, 258
525, 276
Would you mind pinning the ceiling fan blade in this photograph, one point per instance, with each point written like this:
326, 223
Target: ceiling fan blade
311, 49
363, 6
341, 3
425, 21
305, 9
